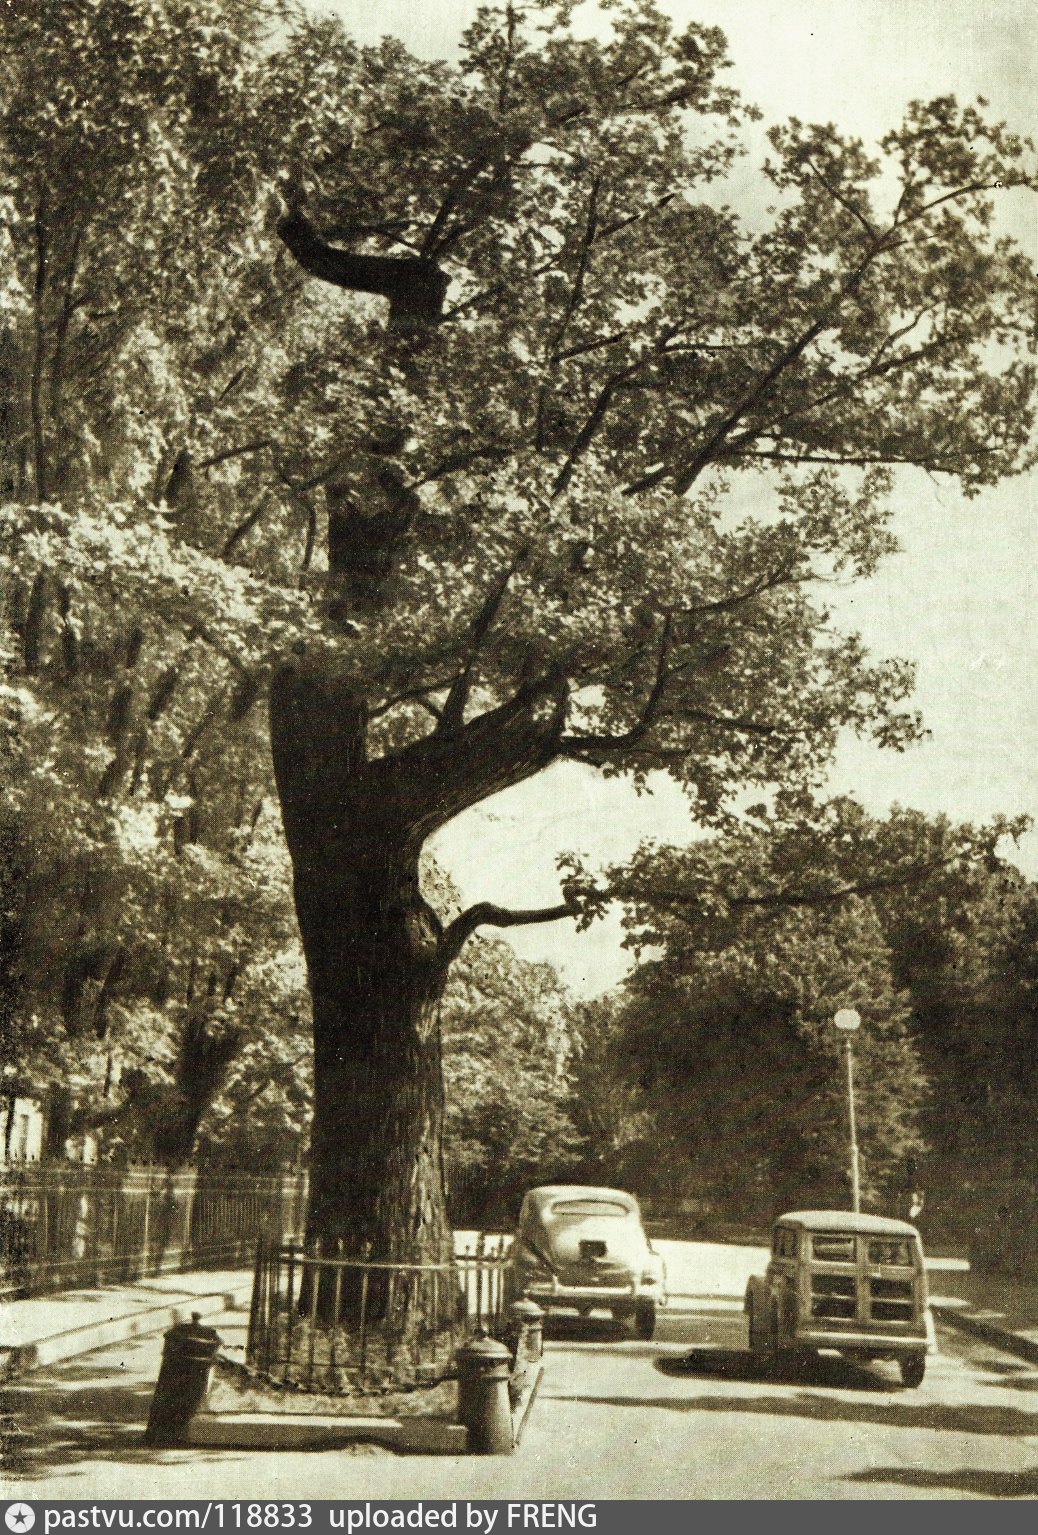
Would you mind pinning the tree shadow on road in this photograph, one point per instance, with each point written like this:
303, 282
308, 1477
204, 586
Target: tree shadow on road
1013, 1377
672, 1331
877, 1400
583, 1329
985, 1484
60, 1421
53, 1423
1009, 1422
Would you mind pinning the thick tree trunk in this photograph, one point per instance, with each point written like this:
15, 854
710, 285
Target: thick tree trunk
376, 1165
376, 970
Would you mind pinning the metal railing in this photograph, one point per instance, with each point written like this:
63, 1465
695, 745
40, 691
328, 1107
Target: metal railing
341, 1326
68, 1224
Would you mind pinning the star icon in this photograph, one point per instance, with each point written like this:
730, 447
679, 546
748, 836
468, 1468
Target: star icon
19, 1517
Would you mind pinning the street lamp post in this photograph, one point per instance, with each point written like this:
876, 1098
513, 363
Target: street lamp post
848, 1021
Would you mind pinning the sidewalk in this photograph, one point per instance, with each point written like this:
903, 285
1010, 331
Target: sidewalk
1000, 1309
47, 1328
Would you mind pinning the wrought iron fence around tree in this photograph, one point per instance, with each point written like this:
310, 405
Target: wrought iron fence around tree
68, 1224
330, 1324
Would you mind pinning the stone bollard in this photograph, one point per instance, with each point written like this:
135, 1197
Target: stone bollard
484, 1368
187, 1359
526, 1327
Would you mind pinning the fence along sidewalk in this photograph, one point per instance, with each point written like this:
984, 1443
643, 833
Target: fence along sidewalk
67, 1224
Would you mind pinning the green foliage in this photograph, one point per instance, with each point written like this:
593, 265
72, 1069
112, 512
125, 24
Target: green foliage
507, 1028
966, 956
608, 328
259, 1115
149, 923
736, 1052
625, 1142
148, 920
544, 476
758, 938
721, 1070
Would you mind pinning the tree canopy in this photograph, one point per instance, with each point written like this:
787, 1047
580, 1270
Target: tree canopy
509, 1031
490, 526
616, 346
720, 1067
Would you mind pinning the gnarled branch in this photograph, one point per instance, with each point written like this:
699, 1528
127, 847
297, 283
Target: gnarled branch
485, 914
447, 774
415, 286
586, 745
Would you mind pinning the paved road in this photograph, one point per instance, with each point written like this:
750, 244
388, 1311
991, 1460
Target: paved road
685, 1416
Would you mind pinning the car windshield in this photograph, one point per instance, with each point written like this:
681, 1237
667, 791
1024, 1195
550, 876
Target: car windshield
832, 1247
567, 1208
891, 1251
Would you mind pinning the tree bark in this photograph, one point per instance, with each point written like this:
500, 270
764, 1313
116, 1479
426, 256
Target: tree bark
376, 970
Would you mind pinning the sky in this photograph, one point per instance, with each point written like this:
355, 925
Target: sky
960, 600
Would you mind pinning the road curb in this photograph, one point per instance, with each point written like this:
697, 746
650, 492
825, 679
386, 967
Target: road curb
965, 1320
321, 1431
116, 1329
524, 1406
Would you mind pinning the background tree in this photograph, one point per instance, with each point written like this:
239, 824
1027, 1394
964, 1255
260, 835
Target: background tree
964, 950
743, 1070
508, 1037
259, 1117
624, 1143
479, 546
148, 933
726, 1038
728, 1034
148, 886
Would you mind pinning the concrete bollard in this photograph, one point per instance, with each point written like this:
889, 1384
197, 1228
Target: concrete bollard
526, 1328
187, 1360
484, 1368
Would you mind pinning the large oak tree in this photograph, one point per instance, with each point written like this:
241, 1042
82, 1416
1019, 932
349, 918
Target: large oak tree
435, 385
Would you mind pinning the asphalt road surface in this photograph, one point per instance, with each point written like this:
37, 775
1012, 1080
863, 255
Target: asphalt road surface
686, 1416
